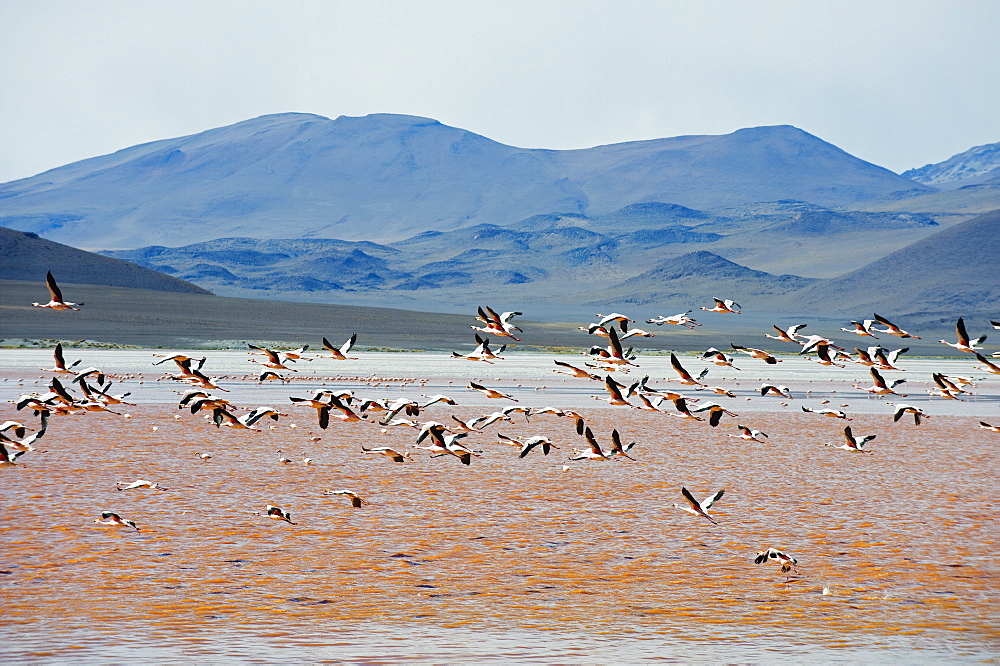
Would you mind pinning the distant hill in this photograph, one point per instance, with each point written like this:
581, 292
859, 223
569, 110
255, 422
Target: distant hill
387, 177
184, 320
28, 257
697, 278
975, 166
561, 262
955, 271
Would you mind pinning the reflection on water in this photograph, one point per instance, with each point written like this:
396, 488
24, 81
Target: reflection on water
506, 559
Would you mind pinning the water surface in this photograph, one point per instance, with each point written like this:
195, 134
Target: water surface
507, 559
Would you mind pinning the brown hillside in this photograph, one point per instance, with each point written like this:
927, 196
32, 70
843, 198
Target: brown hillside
956, 271
28, 257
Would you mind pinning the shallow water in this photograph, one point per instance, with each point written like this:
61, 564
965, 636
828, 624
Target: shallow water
507, 559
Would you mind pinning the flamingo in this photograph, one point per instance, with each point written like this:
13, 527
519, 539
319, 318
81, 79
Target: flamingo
636, 332
964, 344
268, 375
681, 319
463, 426
832, 413
389, 452
613, 354
18, 428
60, 361
864, 357
201, 400
786, 561
902, 408
273, 360
862, 328
102, 395
685, 413
617, 448
341, 353
356, 500
316, 402
444, 443
488, 420
183, 361
756, 353
642, 387
700, 508
344, 413
195, 378
646, 404
892, 329
724, 306
779, 390
277, 513
822, 349
112, 519
564, 413
854, 444
221, 416
56, 301
433, 399
886, 361
497, 324
490, 393
408, 407
749, 435
946, 387
715, 411
574, 371
685, 376
718, 358
880, 387
615, 318
536, 441
615, 393
482, 352
25, 443
594, 451
787, 335
297, 354
990, 367
139, 483
7, 458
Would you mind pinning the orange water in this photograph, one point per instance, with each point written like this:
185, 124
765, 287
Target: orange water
507, 558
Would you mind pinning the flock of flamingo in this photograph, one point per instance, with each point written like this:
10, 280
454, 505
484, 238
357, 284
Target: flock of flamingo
443, 439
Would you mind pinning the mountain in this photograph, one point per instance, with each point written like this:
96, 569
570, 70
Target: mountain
955, 271
537, 256
184, 321
387, 177
27, 257
977, 165
698, 277
639, 253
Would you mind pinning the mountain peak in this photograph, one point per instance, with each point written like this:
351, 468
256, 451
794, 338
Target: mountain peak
975, 165
386, 177
385, 121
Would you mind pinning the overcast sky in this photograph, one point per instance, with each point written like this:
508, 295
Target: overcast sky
897, 83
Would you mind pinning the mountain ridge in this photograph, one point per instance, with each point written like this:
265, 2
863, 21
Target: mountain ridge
386, 177
977, 165
28, 257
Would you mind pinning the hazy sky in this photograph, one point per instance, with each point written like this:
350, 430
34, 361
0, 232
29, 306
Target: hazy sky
897, 83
